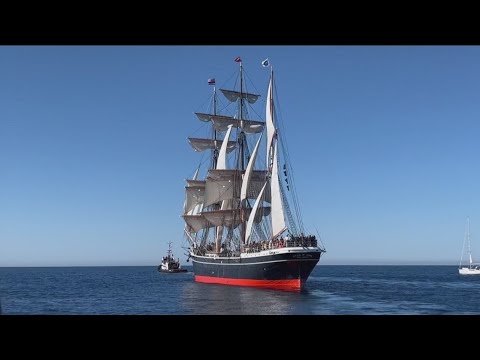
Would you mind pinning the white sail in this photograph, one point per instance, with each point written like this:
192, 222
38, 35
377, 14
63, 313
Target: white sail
217, 191
222, 156
196, 222
226, 204
233, 96
226, 184
221, 122
269, 120
209, 144
190, 202
278, 218
251, 218
203, 117
191, 182
222, 165
231, 217
194, 196
196, 174
248, 172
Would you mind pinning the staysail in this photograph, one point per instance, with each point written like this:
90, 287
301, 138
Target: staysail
278, 219
269, 121
248, 172
251, 218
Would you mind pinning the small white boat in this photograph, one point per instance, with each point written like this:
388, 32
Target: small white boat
472, 268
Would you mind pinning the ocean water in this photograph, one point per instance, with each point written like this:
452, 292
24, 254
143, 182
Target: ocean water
330, 290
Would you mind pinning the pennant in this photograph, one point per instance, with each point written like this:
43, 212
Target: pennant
238, 59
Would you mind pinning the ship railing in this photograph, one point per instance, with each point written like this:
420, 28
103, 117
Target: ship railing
280, 244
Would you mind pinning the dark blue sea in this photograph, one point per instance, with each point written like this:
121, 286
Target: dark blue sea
330, 290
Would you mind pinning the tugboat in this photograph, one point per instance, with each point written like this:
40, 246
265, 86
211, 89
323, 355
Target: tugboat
169, 264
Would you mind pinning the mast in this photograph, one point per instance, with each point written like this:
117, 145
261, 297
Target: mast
241, 139
215, 151
271, 109
242, 150
468, 239
467, 236
218, 232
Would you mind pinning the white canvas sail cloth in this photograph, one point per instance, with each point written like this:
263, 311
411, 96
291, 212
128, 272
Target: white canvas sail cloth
248, 172
209, 144
269, 122
221, 123
251, 218
222, 157
278, 218
226, 204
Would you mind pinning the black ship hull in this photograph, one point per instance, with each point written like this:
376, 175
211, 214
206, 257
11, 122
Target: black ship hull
285, 270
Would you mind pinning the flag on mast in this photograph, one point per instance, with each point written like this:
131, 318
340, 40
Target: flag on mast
211, 81
265, 63
238, 59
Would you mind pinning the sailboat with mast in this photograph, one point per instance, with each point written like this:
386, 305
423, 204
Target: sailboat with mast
243, 224
472, 268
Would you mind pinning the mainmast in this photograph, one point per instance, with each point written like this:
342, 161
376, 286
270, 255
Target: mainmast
242, 134
215, 150
241, 143
273, 122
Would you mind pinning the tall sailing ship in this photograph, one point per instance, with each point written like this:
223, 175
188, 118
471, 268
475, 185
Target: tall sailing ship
243, 224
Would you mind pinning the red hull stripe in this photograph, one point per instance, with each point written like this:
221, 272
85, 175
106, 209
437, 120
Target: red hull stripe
292, 284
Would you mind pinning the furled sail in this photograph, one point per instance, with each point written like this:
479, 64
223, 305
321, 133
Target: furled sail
278, 218
209, 144
248, 171
251, 218
233, 96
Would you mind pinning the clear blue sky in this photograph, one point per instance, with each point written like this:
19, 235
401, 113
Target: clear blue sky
93, 153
